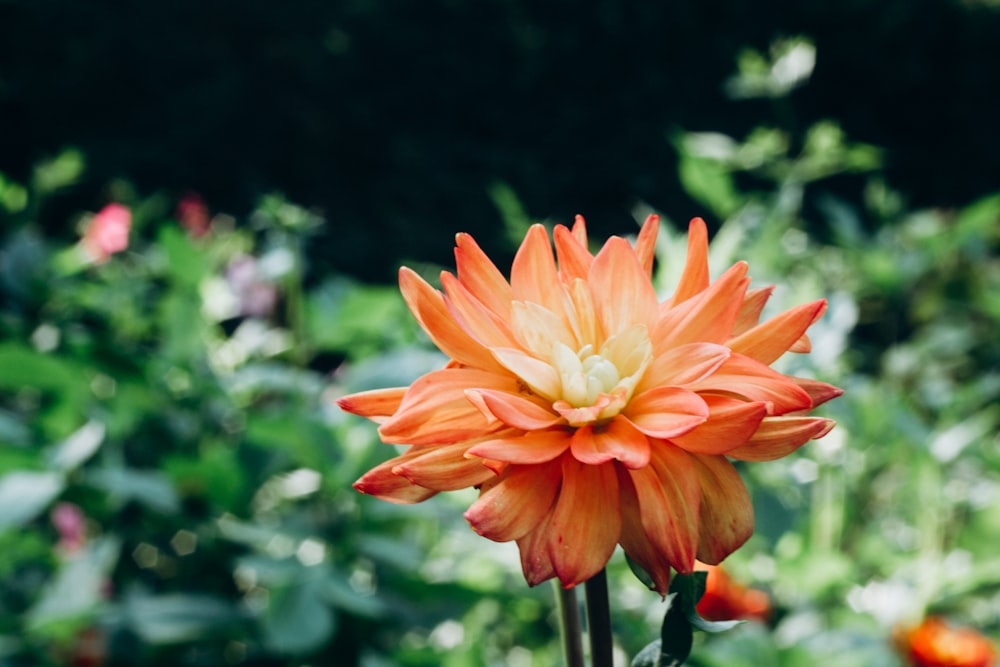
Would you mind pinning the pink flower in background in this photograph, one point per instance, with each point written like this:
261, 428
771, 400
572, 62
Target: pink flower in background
192, 213
70, 523
256, 295
107, 232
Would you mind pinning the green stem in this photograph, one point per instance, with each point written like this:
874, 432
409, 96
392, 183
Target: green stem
569, 625
599, 620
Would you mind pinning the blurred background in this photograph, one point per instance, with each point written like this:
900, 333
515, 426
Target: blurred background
203, 209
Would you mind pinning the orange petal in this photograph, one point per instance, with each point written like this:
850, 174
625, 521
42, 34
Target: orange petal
753, 305
616, 440
768, 341
683, 365
537, 374
666, 412
586, 522
726, 513
435, 410
645, 244
483, 324
580, 230
780, 436
621, 290
707, 317
695, 276
444, 469
428, 306
756, 382
481, 277
533, 274
377, 404
533, 447
819, 392
669, 498
535, 560
382, 483
574, 257
514, 410
731, 423
634, 540
514, 506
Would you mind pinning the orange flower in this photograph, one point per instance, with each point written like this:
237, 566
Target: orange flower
934, 643
588, 413
726, 599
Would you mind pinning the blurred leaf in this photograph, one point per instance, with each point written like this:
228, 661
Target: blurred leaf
21, 366
24, 495
186, 263
709, 182
77, 448
297, 619
55, 174
358, 320
151, 488
177, 617
515, 218
79, 586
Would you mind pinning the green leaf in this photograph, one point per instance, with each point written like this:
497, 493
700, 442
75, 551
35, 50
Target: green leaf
151, 488
24, 495
298, 619
676, 634
177, 617
79, 447
79, 587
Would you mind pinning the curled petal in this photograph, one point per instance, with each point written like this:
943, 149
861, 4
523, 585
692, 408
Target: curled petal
819, 392
669, 498
780, 436
754, 381
622, 292
726, 513
435, 410
532, 447
666, 412
684, 365
377, 405
481, 277
382, 483
731, 423
515, 505
616, 440
707, 317
429, 307
695, 277
582, 532
768, 341
537, 374
444, 469
574, 258
513, 410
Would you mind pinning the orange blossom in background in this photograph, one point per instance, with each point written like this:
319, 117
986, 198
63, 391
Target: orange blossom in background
587, 412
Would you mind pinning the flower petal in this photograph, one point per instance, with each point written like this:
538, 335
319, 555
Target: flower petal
536, 563
476, 319
377, 404
645, 244
429, 308
634, 540
574, 257
435, 410
532, 447
753, 305
780, 436
666, 412
754, 381
481, 277
514, 410
444, 469
669, 498
695, 277
819, 392
537, 374
707, 317
582, 532
731, 423
684, 364
384, 484
616, 440
533, 273
768, 341
621, 290
726, 513
515, 505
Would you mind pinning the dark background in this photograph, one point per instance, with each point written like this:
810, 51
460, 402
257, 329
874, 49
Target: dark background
394, 119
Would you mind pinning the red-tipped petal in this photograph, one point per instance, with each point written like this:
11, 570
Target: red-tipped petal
514, 506
382, 483
731, 423
444, 469
377, 404
780, 436
645, 244
669, 497
616, 440
768, 341
582, 532
726, 513
754, 381
666, 412
819, 392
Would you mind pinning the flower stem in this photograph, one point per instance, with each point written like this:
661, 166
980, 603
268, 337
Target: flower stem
599, 620
569, 625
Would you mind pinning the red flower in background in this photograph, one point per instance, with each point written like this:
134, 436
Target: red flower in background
107, 232
192, 213
935, 643
726, 599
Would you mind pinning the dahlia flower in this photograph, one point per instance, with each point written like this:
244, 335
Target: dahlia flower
587, 412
